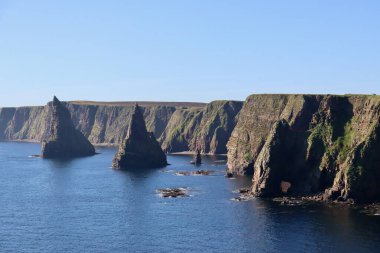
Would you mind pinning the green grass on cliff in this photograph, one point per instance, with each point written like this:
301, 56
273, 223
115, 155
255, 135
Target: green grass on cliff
343, 143
338, 148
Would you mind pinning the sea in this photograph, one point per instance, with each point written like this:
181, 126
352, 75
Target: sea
83, 205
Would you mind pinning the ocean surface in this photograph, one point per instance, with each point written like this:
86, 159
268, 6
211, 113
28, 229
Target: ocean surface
83, 205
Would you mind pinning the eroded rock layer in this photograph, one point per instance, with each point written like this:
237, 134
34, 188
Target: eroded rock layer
178, 126
309, 143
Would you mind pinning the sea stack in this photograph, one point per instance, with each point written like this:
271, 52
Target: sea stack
197, 158
140, 149
64, 141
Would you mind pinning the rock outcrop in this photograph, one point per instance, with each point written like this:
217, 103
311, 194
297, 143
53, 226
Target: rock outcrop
207, 129
64, 140
140, 148
215, 128
310, 144
180, 129
255, 121
197, 160
178, 126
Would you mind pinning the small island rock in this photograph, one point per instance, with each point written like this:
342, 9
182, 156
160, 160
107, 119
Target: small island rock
197, 158
64, 141
140, 149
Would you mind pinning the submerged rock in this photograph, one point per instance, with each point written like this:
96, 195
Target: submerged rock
172, 192
195, 173
140, 148
64, 141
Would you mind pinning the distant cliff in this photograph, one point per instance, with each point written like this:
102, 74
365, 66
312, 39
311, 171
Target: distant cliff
178, 126
314, 143
102, 124
208, 129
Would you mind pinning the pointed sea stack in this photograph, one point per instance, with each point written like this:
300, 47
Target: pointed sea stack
140, 148
64, 140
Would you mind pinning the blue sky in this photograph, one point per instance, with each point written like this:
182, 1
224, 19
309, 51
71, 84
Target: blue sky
185, 50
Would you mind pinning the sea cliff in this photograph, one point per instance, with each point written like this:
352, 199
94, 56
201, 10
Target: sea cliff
178, 126
312, 143
305, 144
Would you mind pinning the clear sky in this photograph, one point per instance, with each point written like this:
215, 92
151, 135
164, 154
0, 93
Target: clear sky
185, 50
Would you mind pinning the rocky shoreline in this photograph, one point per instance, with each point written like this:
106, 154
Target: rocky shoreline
372, 209
289, 144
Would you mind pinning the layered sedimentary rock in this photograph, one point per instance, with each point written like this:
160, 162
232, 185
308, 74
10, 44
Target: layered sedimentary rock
64, 140
102, 124
207, 129
25, 123
309, 143
179, 126
215, 128
255, 120
180, 130
140, 149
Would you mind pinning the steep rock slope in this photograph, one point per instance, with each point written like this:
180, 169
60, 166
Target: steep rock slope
102, 124
178, 126
255, 120
215, 128
180, 129
311, 143
64, 140
140, 148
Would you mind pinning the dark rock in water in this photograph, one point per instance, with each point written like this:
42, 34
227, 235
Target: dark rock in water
244, 190
202, 172
195, 173
140, 148
64, 140
172, 192
197, 158
229, 175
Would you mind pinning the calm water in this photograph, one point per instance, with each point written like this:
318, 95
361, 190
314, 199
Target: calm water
83, 205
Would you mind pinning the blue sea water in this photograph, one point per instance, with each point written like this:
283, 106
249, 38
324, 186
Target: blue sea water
82, 205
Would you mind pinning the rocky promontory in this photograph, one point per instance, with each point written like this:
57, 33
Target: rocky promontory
64, 140
140, 148
309, 144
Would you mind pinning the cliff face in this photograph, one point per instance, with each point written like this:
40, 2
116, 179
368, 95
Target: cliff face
140, 148
24, 123
258, 115
109, 124
64, 140
180, 129
102, 124
215, 128
207, 129
313, 143
178, 126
